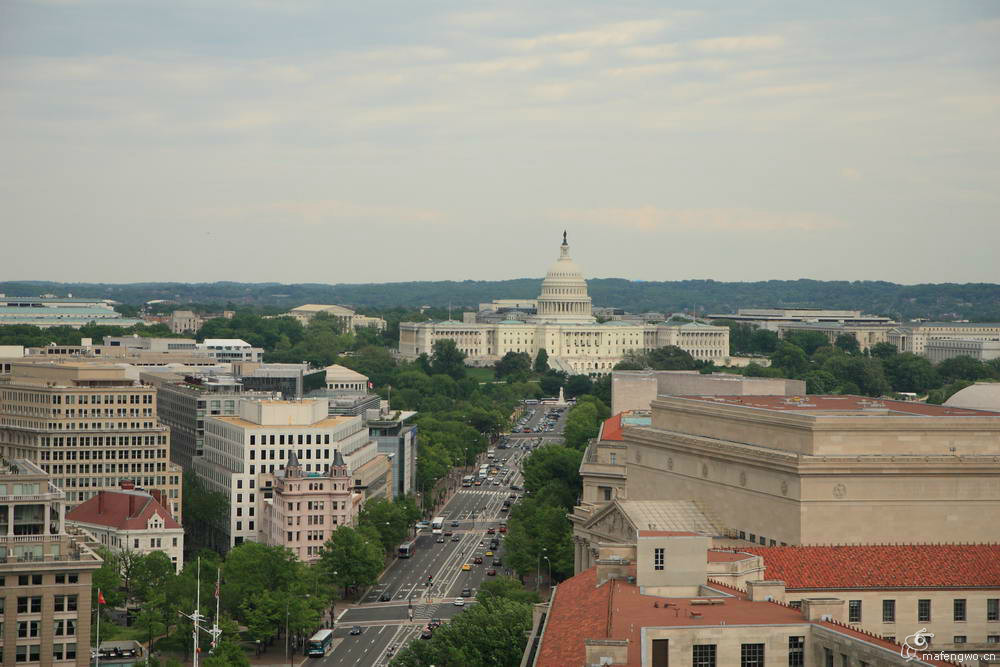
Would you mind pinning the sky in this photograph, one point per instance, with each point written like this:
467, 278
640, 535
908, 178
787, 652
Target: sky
377, 141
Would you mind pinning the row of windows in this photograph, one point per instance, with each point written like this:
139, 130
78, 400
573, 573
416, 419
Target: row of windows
293, 439
959, 610
751, 655
32, 652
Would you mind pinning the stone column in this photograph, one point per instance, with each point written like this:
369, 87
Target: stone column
10, 519
47, 512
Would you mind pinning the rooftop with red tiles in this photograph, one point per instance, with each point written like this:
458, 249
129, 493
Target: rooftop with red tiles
125, 510
882, 567
819, 404
617, 610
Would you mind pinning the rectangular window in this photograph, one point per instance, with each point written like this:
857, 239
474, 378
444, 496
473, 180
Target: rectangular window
993, 639
703, 655
658, 554
959, 609
827, 657
959, 639
796, 651
752, 655
854, 611
888, 611
923, 611
993, 609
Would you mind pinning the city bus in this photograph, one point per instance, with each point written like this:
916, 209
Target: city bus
437, 525
320, 643
468, 480
407, 548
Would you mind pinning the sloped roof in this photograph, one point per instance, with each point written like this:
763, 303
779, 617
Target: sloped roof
322, 308
883, 566
124, 510
669, 515
344, 373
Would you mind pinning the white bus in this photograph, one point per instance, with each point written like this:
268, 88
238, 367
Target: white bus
437, 525
468, 480
320, 643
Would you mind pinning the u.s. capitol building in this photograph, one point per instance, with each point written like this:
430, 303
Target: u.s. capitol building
561, 322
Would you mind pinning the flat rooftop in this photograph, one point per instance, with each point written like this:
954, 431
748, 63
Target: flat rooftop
328, 422
824, 405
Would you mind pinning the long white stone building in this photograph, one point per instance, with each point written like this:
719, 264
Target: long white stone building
565, 327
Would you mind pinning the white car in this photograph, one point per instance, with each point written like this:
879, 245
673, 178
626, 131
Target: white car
459, 602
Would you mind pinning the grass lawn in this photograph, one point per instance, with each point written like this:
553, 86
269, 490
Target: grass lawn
481, 374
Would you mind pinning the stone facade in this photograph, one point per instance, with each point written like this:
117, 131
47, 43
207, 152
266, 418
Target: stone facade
636, 390
566, 329
915, 336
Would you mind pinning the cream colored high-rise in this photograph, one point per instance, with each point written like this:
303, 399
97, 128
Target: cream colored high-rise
88, 424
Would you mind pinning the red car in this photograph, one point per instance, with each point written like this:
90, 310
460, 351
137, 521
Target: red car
503, 529
491, 572
478, 560
491, 531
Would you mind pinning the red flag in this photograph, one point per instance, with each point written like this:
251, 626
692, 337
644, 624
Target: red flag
217, 588
100, 597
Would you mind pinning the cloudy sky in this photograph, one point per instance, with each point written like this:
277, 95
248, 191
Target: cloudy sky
326, 141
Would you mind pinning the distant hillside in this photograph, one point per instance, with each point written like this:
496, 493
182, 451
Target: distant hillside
950, 301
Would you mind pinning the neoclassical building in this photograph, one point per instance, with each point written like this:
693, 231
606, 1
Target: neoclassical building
564, 326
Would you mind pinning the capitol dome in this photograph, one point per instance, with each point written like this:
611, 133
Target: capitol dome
564, 295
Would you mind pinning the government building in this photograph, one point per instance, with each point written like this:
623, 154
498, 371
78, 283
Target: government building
562, 323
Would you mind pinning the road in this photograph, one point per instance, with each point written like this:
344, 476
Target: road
405, 581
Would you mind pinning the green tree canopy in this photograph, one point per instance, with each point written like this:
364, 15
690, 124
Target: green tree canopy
541, 361
448, 359
351, 558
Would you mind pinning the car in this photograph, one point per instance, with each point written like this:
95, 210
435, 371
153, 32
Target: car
496, 482
459, 602
427, 633
503, 529
491, 531
449, 533
478, 560
491, 572
514, 487
434, 624
440, 539
466, 592
423, 524
496, 562
478, 482
385, 597
454, 524
356, 630
466, 567
455, 538
495, 544
489, 554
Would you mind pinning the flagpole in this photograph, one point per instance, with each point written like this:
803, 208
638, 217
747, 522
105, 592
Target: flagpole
97, 663
197, 614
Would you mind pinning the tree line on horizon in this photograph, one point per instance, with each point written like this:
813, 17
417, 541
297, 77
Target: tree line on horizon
972, 301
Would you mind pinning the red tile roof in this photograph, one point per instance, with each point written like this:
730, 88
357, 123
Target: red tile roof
124, 510
816, 403
716, 556
581, 610
881, 567
612, 428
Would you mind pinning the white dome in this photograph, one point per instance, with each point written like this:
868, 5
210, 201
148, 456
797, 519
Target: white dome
564, 295
980, 396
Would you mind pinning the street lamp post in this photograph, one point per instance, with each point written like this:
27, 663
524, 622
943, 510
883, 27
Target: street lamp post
549, 563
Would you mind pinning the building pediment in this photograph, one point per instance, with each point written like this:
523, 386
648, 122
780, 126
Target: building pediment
612, 523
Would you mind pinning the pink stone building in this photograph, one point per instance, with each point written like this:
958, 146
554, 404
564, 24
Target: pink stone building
305, 508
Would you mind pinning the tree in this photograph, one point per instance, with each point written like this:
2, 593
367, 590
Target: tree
552, 463
252, 567
883, 350
541, 361
807, 341
152, 618
581, 425
963, 368
506, 587
910, 373
350, 558
388, 520
848, 343
578, 384
791, 359
448, 359
820, 382
670, 358
513, 365
107, 579
151, 574
228, 652
551, 382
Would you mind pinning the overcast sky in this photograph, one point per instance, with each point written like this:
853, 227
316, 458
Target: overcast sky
326, 141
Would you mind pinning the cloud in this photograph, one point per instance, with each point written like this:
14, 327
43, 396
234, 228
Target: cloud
739, 44
321, 212
614, 34
654, 52
653, 219
851, 174
499, 65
